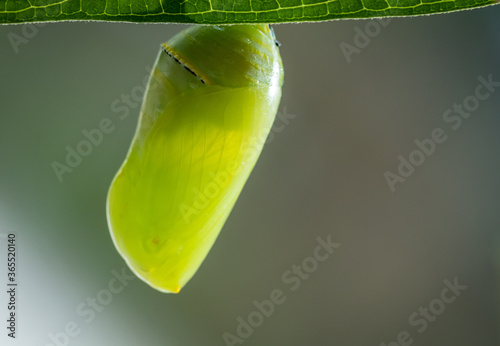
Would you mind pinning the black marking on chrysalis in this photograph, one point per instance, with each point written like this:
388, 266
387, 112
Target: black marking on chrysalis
183, 65
276, 42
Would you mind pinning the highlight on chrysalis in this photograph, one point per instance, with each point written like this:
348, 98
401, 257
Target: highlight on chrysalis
211, 101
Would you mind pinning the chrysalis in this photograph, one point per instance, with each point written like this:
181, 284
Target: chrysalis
210, 104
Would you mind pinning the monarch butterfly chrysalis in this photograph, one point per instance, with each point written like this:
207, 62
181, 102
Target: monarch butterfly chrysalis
210, 104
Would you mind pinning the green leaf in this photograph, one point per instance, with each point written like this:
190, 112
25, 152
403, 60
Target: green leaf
221, 11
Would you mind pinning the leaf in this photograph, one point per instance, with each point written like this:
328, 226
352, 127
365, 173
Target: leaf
221, 11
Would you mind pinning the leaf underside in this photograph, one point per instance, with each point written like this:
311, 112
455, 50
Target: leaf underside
221, 11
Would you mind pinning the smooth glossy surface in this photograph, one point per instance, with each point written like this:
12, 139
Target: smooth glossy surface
205, 118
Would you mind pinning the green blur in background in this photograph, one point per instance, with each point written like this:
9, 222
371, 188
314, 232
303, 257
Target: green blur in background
321, 174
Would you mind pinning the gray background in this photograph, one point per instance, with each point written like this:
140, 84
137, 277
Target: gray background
322, 175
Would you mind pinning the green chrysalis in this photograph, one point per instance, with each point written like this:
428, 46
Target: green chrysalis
210, 104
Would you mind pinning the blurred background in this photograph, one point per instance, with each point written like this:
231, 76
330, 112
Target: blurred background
349, 117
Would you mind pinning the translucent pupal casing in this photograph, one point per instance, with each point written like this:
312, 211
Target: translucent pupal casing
211, 101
